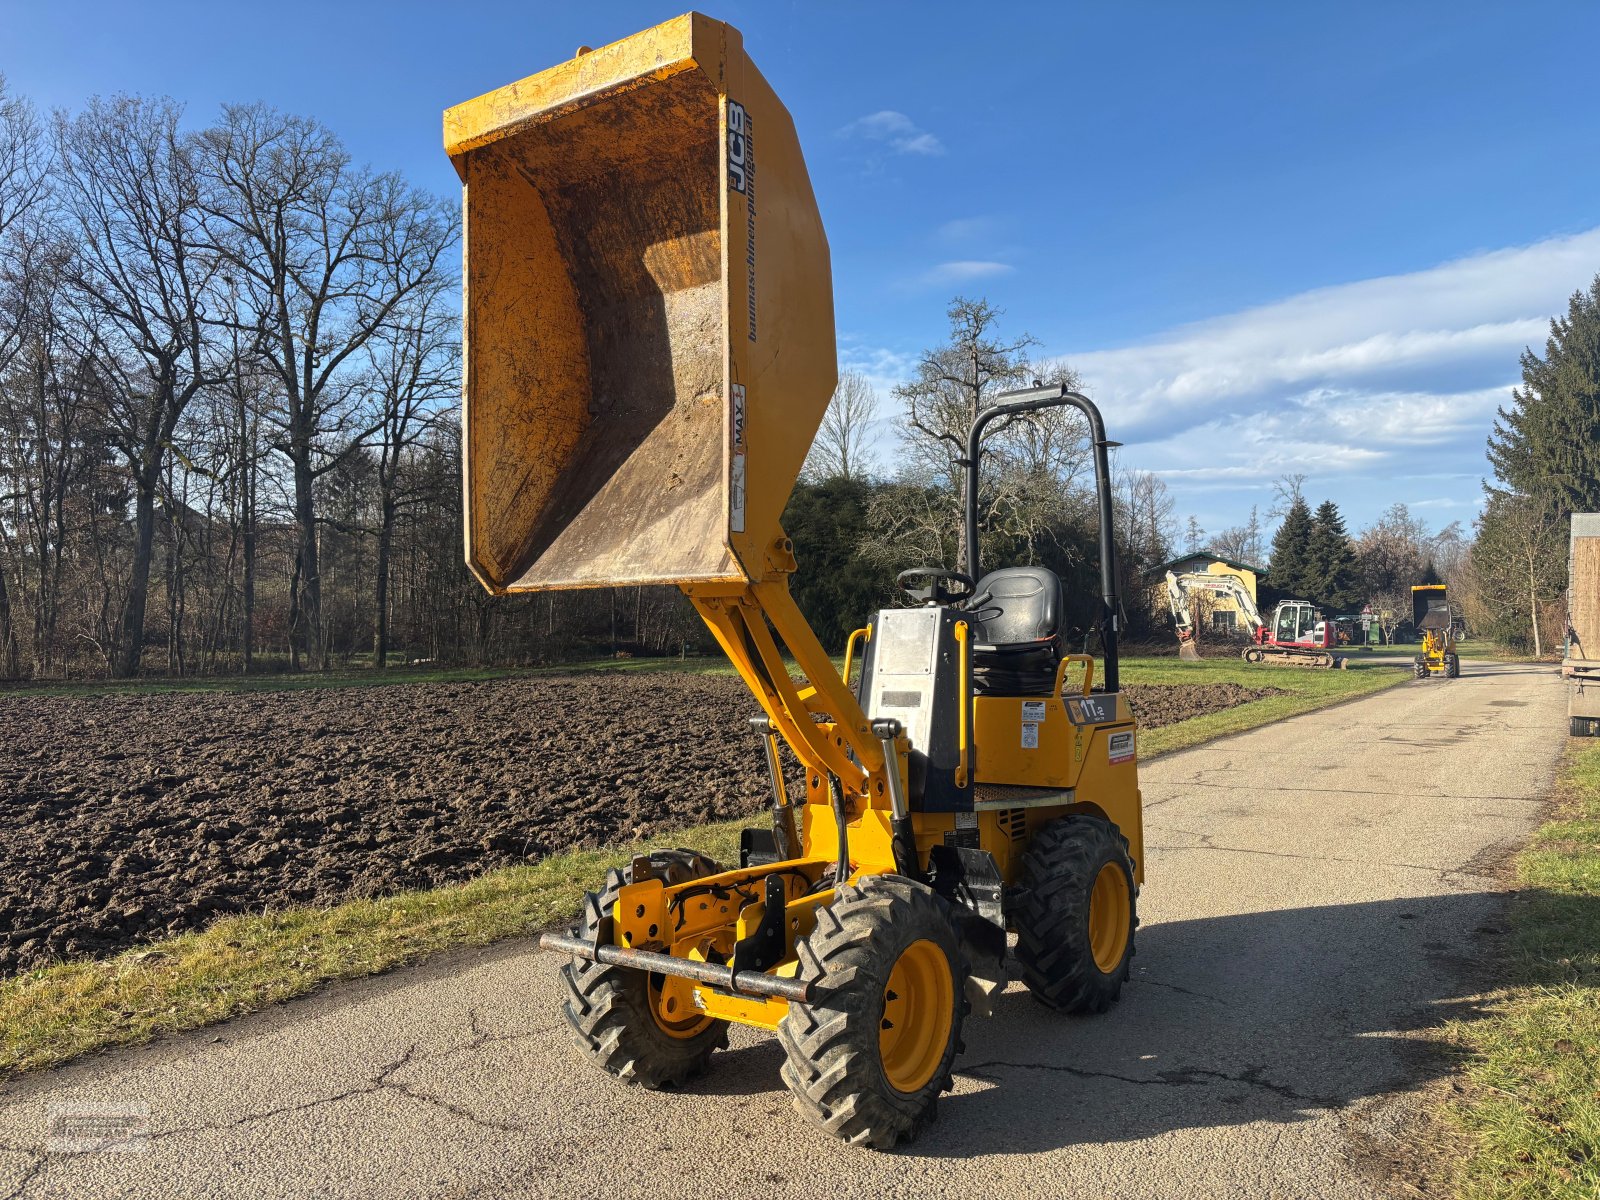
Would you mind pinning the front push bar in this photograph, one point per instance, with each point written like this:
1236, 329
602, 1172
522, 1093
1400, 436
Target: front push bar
748, 983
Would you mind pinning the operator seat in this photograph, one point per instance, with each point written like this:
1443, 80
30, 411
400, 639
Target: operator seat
1018, 636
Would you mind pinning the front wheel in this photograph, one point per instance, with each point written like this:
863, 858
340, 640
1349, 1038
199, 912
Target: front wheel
1076, 914
1452, 667
617, 1018
867, 1058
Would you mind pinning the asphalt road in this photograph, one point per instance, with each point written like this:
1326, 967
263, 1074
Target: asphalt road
1318, 891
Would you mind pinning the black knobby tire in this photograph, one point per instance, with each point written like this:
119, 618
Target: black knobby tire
1055, 946
1421, 669
1452, 667
835, 1067
609, 1009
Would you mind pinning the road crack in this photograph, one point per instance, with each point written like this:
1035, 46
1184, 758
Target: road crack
385, 1080
36, 1161
1186, 991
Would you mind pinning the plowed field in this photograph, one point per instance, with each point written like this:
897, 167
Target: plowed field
125, 818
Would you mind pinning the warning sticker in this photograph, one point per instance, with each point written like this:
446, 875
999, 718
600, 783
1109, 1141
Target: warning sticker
1030, 736
736, 481
1120, 747
1033, 710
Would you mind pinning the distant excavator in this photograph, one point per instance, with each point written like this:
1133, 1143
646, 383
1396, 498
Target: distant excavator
1299, 634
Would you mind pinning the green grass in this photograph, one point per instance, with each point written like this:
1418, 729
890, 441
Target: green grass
1303, 690
1532, 1107
243, 964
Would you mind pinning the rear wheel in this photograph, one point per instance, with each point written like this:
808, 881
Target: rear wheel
615, 1013
1452, 667
867, 1059
1076, 914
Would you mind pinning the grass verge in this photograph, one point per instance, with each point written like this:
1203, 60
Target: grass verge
242, 964
1532, 1104
1302, 691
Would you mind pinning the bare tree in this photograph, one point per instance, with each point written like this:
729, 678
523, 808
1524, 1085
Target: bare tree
1518, 560
1194, 537
143, 276
840, 450
1029, 461
24, 189
327, 252
1392, 552
412, 361
1242, 543
1391, 608
1286, 490
1146, 525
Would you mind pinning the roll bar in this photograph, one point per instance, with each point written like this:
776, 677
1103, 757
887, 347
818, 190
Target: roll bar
1031, 400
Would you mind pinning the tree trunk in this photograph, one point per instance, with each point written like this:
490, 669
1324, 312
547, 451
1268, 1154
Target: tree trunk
380, 623
10, 660
294, 614
305, 516
247, 598
1533, 608
131, 648
247, 589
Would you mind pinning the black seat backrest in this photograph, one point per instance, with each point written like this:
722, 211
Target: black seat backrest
1024, 609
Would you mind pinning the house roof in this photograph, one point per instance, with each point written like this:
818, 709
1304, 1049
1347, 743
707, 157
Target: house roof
1163, 568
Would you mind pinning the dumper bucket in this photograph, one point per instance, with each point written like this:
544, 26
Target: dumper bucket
649, 342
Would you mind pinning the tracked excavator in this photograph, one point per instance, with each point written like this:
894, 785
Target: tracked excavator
649, 350
1298, 635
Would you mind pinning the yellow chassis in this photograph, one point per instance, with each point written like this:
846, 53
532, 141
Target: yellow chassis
1074, 766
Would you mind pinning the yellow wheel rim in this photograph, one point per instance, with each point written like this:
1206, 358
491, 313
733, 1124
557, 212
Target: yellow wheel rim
671, 1022
1110, 914
918, 1009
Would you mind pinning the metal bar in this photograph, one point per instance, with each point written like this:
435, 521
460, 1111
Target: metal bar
903, 835
964, 762
783, 828
1031, 400
747, 983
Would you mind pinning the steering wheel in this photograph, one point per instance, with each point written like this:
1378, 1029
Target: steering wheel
935, 591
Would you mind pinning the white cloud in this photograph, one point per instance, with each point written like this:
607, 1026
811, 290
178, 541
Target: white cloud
880, 367
1365, 387
895, 130
966, 229
964, 271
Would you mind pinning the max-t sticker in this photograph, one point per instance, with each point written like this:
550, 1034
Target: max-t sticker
1120, 747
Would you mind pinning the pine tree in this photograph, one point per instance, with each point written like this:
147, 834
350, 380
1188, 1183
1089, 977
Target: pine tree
1547, 445
1330, 571
1290, 547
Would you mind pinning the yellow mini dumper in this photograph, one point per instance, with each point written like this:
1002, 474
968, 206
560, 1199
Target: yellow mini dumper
649, 350
1435, 622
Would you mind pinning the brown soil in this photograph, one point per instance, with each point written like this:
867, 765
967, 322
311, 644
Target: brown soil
129, 818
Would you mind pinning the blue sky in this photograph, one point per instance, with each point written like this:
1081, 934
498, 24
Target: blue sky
1272, 237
